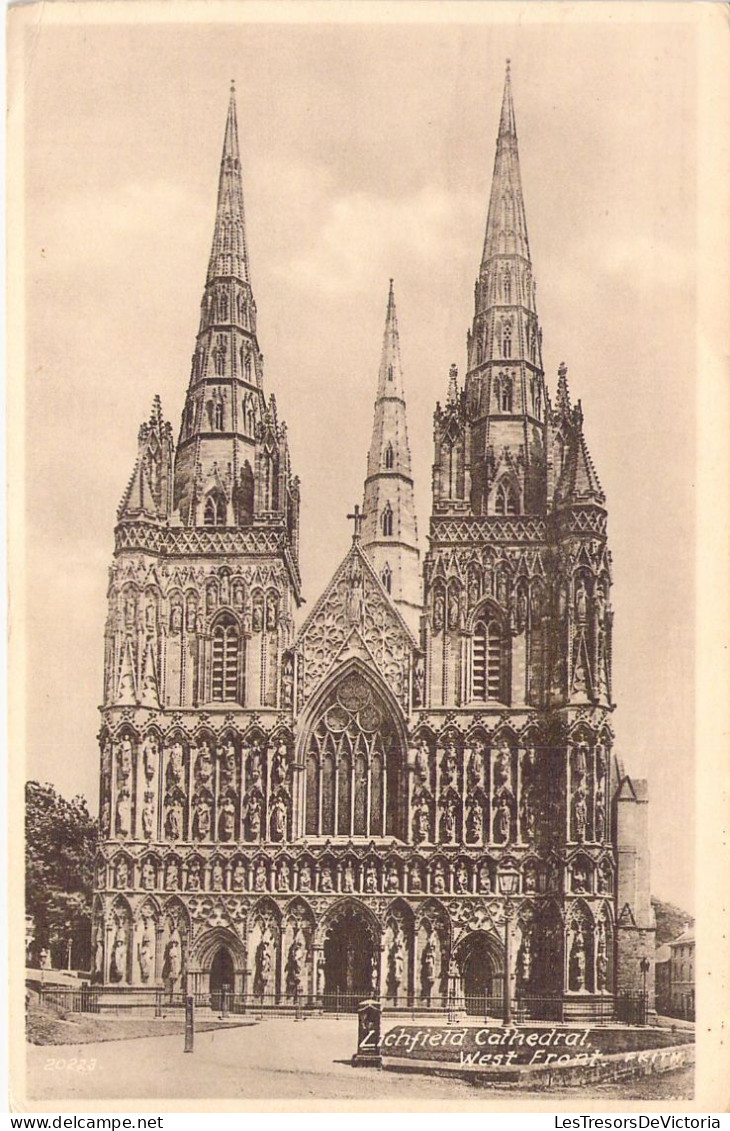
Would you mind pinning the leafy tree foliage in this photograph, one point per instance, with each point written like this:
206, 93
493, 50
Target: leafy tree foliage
60, 844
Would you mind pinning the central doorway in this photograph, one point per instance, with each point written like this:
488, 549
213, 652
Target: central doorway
221, 974
348, 963
482, 974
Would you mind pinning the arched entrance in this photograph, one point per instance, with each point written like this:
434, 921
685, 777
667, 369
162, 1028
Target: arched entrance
349, 962
481, 964
221, 974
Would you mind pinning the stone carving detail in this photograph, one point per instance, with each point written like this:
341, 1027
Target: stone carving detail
355, 601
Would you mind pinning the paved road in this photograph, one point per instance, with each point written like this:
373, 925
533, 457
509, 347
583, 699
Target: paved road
274, 1059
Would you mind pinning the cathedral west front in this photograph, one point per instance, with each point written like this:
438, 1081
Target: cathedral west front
418, 787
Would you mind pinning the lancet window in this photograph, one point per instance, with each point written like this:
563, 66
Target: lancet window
353, 771
225, 662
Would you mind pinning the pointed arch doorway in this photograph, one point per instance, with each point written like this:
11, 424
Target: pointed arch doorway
480, 958
221, 974
349, 955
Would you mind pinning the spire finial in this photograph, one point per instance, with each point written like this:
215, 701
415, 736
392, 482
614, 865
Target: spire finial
233, 86
453, 394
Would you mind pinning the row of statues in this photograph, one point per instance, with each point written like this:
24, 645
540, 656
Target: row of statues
137, 615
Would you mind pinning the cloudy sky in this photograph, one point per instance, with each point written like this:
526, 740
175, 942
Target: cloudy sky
367, 151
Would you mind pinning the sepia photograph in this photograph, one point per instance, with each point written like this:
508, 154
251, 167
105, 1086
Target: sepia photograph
354, 463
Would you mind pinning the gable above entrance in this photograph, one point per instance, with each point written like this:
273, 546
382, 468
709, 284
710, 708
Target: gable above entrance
355, 618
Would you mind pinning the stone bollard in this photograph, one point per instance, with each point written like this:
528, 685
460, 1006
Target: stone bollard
368, 1035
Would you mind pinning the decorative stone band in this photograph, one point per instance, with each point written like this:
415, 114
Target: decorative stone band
180, 541
493, 529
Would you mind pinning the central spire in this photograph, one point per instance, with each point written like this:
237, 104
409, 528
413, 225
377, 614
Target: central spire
389, 534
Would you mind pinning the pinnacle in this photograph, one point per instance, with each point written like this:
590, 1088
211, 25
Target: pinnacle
562, 399
453, 394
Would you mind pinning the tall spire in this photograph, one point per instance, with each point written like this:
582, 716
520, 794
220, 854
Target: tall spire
232, 461
229, 253
389, 532
504, 383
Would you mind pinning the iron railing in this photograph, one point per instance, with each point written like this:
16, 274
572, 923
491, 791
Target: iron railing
629, 1008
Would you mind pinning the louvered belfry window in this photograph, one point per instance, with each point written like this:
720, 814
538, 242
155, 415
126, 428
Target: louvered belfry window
487, 661
225, 662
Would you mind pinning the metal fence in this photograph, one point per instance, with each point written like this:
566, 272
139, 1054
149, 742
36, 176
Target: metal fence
629, 1008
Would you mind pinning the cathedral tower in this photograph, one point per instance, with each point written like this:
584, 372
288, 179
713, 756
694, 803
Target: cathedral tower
389, 532
196, 737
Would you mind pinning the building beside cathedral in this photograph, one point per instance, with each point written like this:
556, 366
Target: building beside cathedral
426, 770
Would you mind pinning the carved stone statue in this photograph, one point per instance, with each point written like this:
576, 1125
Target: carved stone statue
272, 610
148, 815
392, 882
475, 767
325, 879
422, 762
419, 682
280, 766
581, 602
371, 877
201, 819
124, 812
216, 876
428, 968
461, 877
578, 960
176, 766
485, 879
148, 875
283, 882
278, 819
450, 768
503, 768
259, 876
287, 684
421, 823
415, 882
239, 876
255, 768
172, 963
118, 964
295, 965
174, 821
448, 821
204, 766
453, 608
146, 951
122, 873
439, 879
227, 821
194, 881
264, 965
348, 878
253, 812
580, 814
475, 822
503, 820
396, 963
150, 751
524, 962
438, 613
305, 877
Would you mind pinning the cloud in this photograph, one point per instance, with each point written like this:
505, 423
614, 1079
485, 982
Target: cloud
360, 235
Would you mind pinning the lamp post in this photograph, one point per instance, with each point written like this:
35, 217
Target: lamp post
508, 879
644, 967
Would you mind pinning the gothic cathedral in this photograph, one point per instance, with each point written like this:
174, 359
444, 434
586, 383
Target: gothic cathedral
419, 788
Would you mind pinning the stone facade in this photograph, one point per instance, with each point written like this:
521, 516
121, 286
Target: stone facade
335, 811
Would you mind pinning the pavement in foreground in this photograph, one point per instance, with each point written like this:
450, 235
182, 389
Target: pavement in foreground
279, 1059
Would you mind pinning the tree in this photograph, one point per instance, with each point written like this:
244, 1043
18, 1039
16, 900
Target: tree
60, 844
